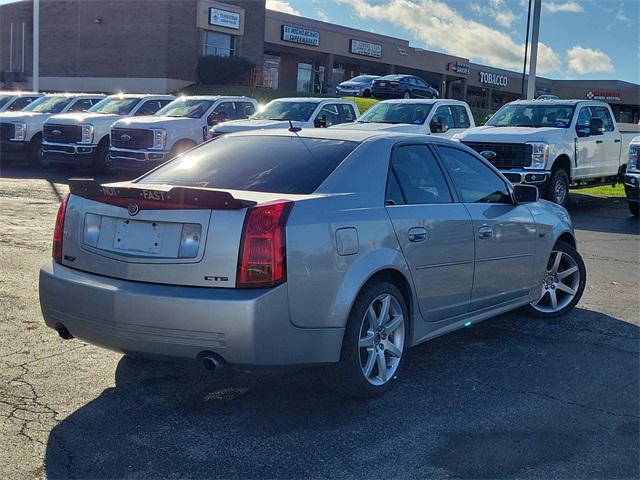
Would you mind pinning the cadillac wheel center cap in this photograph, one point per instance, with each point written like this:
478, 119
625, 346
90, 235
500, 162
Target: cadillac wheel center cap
133, 209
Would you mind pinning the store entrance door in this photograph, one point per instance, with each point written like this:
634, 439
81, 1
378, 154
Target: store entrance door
305, 77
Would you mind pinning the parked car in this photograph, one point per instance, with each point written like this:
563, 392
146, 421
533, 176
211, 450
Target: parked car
17, 100
322, 246
402, 86
359, 86
82, 138
142, 143
299, 112
21, 132
428, 117
632, 177
553, 144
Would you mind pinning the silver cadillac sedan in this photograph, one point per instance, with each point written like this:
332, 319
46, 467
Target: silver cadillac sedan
334, 247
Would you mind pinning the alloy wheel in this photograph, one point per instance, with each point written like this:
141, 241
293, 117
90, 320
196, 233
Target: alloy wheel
560, 191
560, 285
381, 339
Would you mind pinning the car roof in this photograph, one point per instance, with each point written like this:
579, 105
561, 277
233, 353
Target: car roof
213, 97
555, 102
397, 75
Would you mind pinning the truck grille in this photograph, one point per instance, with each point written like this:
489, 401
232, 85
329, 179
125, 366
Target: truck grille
7, 131
62, 133
508, 155
131, 138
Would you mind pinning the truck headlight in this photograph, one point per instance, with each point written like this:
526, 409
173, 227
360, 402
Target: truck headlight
539, 155
87, 133
159, 138
633, 164
20, 131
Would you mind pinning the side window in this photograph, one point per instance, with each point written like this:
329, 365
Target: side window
603, 114
476, 182
394, 194
584, 117
442, 115
245, 109
148, 108
223, 112
348, 114
19, 104
418, 176
329, 114
81, 105
460, 117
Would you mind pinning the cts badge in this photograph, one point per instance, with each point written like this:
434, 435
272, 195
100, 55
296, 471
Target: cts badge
488, 154
133, 209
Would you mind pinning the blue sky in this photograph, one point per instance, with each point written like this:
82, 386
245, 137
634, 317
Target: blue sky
584, 39
581, 39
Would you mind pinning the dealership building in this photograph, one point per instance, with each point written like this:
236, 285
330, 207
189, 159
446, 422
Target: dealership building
154, 46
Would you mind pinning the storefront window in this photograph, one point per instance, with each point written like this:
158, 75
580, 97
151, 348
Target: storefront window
217, 44
305, 76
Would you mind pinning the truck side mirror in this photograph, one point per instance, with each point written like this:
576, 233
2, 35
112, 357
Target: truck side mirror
321, 122
596, 126
439, 125
525, 193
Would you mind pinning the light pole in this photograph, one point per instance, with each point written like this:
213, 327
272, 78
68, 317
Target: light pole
36, 46
531, 85
526, 50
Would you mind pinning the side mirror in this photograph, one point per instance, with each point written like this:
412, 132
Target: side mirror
525, 193
596, 126
321, 122
213, 119
439, 125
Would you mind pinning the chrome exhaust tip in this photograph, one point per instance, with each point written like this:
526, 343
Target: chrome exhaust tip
212, 361
63, 332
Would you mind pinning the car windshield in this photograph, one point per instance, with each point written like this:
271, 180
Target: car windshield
412, 113
279, 110
119, 106
278, 164
4, 99
48, 105
529, 115
362, 79
185, 107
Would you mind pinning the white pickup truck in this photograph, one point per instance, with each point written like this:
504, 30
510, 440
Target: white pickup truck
21, 132
300, 112
16, 101
427, 116
82, 138
140, 143
553, 144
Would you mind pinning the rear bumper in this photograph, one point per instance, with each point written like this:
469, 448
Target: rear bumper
245, 327
539, 178
384, 92
137, 160
69, 154
632, 187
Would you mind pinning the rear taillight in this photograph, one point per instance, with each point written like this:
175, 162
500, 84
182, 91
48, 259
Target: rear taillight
262, 260
58, 231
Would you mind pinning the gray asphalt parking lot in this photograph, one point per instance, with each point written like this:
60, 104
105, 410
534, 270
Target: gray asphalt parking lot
511, 397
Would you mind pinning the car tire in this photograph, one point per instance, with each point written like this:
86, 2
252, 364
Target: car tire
634, 208
371, 343
366, 93
570, 272
36, 155
557, 190
406, 94
103, 157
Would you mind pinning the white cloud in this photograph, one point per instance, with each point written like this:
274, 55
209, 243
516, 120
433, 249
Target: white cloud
564, 7
622, 18
586, 60
282, 6
497, 10
322, 15
438, 25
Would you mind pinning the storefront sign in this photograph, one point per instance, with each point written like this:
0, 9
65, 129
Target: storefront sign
367, 49
300, 35
458, 67
224, 18
494, 79
606, 96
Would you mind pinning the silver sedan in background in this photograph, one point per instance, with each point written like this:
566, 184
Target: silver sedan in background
306, 247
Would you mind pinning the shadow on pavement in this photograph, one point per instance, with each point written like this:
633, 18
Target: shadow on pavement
511, 397
602, 214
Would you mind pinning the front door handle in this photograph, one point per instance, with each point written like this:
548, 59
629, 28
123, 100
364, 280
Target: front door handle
598, 141
617, 140
485, 232
417, 234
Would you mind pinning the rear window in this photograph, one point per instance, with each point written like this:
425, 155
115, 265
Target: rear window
274, 164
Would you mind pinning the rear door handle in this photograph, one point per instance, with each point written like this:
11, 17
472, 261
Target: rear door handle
417, 234
485, 232
617, 140
598, 141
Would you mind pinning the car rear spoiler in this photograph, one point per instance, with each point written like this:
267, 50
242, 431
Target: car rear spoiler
140, 197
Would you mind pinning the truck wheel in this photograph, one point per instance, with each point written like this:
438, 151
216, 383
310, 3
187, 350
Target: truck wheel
102, 161
36, 154
634, 207
563, 283
558, 188
375, 343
